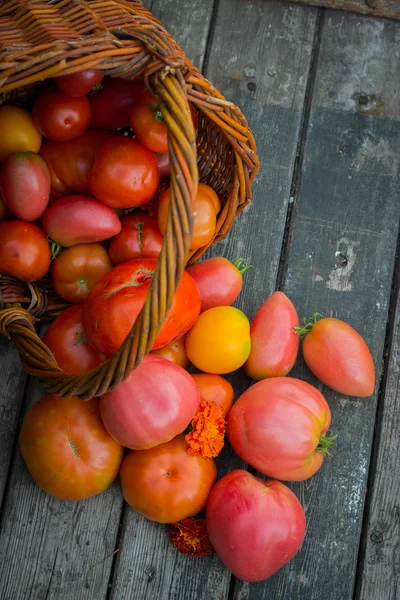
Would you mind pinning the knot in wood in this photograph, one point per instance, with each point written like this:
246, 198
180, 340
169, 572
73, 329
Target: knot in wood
10, 316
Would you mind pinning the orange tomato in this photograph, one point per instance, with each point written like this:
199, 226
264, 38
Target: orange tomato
214, 389
138, 238
18, 133
175, 352
24, 250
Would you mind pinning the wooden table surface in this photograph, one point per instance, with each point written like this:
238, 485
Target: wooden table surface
321, 91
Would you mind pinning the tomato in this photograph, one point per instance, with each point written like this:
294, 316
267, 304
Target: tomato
112, 104
255, 526
139, 238
219, 280
279, 427
124, 173
206, 191
60, 117
163, 165
67, 449
75, 270
165, 483
338, 355
24, 250
80, 220
155, 403
117, 298
18, 132
3, 210
70, 162
175, 352
219, 342
274, 343
66, 340
25, 185
79, 84
214, 389
205, 218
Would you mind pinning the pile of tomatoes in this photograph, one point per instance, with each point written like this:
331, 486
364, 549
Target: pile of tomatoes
81, 200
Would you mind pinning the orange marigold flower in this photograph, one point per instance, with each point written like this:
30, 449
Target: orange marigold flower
189, 536
207, 437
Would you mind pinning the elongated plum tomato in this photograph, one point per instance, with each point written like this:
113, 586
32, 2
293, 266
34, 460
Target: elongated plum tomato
79, 84
138, 238
118, 297
154, 404
214, 389
219, 341
25, 185
67, 449
279, 427
60, 117
24, 250
165, 483
18, 132
274, 343
219, 280
175, 352
66, 340
255, 526
339, 356
112, 103
124, 173
79, 220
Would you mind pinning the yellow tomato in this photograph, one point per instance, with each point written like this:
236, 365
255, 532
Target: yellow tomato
175, 352
18, 133
219, 341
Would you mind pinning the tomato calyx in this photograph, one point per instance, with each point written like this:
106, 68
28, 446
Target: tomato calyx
55, 248
306, 326
242, 265
80, 339
141, 277
189, 537
326, 444
158, 116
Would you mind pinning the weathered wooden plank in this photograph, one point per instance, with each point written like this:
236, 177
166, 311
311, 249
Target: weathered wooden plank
341, 263
378, 8
259, 58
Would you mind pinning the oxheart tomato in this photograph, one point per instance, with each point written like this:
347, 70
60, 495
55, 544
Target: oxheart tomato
279, 426
60, 117
24, 250
79, 84
66, 340
255, 526
154, 404
214, 389
67, 449
274, 343
138, 238
124, 173
165, 483
79, 219
117, 298
18, 132
339, 356
75, 270
112, 103
175, 352
25, 185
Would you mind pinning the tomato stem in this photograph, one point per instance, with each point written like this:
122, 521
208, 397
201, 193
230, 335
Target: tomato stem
157, 113
54, 249
242, 265
306, 326
326, 443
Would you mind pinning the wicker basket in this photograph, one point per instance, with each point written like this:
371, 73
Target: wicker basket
42, 39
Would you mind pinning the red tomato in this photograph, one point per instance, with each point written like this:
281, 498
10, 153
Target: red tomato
219, 280
80, 220
214, 389
113, 301
25, 185
139, 238
67, 449
165, 483
78, 84
175, 352
70, 162
279, 426
112, 104
66, 340
75, 270
157, 401
124, 173
274, 343
338, 356
24, 250
18, 132
60, 117
163, 165
255, 526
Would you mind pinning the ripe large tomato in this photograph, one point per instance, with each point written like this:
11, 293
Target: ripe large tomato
255, 526
165, 483
66, 340
112, 103
138, 238
67, 449
18, 132
60, 117
279, 426
117, 298
154, 404
79, 84
24, 250
214, 389
75, 270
